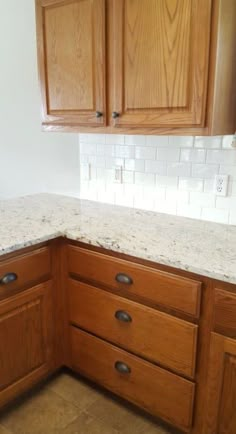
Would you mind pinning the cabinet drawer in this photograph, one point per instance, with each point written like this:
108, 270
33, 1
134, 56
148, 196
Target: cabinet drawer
142, 330
158, 391
25, 269
159, 287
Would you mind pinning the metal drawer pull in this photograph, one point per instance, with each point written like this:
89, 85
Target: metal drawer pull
99, 114
115, 115
122, 368
124, 278
121, 315
8, 278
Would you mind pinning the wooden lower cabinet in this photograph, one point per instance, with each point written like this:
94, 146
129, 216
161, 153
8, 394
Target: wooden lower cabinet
144, 331
156, 390
178, 364
26, 340
161, 288
221, 391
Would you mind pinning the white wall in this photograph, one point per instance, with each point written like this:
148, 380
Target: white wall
174, 175
30, 161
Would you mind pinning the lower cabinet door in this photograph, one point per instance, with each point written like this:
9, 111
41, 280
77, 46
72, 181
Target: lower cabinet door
156, 390
221, 388
26, 340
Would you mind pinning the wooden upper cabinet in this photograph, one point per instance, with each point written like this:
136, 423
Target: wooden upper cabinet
71, 48
138, 66
160, 58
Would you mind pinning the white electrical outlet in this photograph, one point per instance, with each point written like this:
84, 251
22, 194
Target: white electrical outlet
221, 185
118, 175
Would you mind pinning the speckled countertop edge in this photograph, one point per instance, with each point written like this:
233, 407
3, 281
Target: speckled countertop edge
204, 248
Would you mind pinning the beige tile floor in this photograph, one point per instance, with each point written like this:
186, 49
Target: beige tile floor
68, 404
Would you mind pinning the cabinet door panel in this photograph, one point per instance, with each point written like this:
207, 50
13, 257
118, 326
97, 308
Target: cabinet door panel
160, 62
221, 394
26, 339
72, 60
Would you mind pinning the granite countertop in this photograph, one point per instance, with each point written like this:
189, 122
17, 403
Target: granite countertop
201, 247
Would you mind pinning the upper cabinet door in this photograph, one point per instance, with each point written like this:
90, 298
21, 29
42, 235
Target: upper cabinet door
71, 54
160, 62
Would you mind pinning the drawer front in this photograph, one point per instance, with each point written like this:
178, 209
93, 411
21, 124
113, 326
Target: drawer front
166, 289
24, 269
225, 313
142, 330
158, 391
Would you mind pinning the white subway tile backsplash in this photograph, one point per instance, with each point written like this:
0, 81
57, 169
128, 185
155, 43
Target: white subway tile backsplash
105, 150
128, 177
145, 178
186, 210
215, 215
177, 196
106, 196
88, 148
115, 188
172, 174
115, 139
144, 202
135, 189
97, 161
135, 140
101, 175
166, 154
145, 153
227, 142
88, 192
83, 159
208, 142
108, 175
228, 170
226, 203
204, 170
166, 181
193, 155
84, 172
153, 166
124, 199
165, 206
110, 162
160, 193
178, 169
209, 186
202, 199
191, 184
134, 164
221, 156
232, 217
158, 141
232, 188
181, 142
124, 151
